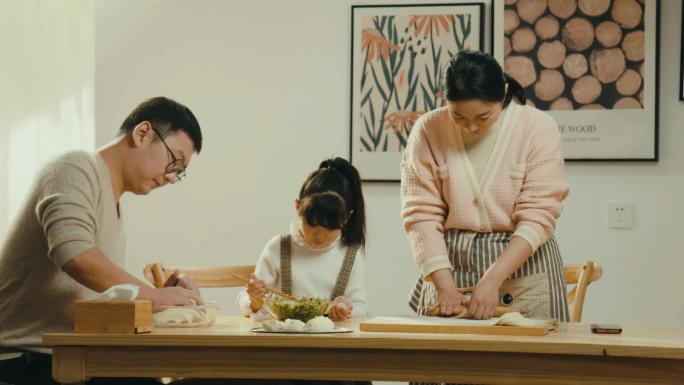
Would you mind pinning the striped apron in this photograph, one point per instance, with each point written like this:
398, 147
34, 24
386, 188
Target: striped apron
537, 287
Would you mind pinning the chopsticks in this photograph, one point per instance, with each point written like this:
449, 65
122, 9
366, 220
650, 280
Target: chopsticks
274, 291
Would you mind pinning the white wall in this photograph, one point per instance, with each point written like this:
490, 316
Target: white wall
269, 82
46, 90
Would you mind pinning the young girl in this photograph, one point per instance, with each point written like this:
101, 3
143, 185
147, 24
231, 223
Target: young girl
321, 256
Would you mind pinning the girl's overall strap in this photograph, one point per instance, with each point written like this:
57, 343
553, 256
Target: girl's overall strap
286, 264
345, 272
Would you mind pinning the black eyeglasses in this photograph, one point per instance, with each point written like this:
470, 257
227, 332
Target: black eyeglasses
176, 166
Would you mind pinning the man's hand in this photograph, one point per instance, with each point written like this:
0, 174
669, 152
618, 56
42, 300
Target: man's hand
178, 279
172, 296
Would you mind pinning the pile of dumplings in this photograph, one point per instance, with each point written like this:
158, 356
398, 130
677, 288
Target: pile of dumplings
315, 325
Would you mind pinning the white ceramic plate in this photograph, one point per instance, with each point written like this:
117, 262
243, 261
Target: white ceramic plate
336, 330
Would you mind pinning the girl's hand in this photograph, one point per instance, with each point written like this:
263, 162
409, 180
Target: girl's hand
340, 309
256, 289
484, 300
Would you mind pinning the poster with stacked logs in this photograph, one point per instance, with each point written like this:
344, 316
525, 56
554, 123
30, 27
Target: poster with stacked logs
681, 60
592, 65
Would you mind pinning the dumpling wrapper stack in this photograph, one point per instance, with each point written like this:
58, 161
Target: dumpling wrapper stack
177, 316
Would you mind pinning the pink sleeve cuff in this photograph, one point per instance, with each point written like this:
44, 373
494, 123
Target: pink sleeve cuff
431, 264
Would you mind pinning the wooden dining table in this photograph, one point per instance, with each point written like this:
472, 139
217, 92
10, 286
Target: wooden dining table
642, 354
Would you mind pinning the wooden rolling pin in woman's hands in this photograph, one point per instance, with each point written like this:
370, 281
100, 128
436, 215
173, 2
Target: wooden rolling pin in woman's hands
500, 310
506, 299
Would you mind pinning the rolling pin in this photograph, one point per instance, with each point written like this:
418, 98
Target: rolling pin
505, 299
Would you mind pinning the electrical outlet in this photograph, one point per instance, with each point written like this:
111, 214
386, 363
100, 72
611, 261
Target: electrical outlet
620, 215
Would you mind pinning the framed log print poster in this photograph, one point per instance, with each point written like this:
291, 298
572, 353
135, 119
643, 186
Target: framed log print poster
681, 60
592, 65
398, 56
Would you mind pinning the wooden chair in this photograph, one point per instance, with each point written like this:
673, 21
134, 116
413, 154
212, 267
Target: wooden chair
222, 276
157, 274
580, 275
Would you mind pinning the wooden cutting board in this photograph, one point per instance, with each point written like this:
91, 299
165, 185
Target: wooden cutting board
419, 324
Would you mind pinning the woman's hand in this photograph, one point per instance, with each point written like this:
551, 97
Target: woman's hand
449, 300
484, 300
256, 289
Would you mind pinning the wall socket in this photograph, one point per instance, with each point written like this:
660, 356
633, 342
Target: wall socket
620, 215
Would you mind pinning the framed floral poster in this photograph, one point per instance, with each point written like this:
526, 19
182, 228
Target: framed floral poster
398, 56
592, 65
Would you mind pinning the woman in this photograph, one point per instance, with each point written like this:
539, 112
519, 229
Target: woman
482, 186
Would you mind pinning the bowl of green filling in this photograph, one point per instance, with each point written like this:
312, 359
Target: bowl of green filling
300, 308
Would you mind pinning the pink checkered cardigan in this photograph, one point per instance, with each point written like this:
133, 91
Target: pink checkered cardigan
520, 189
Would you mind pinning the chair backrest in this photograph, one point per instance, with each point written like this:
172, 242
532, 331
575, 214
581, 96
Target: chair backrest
581, 275
221, 276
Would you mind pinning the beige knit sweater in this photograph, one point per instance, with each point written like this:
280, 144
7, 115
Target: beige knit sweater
520, 190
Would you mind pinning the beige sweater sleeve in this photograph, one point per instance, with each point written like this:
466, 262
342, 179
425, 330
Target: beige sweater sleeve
539, 204
423, 208
67, 206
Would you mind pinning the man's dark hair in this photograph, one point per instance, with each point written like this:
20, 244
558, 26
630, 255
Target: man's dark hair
167, 117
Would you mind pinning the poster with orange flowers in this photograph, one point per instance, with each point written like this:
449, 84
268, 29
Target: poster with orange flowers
398, 56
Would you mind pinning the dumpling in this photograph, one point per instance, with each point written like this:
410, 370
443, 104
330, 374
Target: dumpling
319, 324
293, 325
517, 319
273, 325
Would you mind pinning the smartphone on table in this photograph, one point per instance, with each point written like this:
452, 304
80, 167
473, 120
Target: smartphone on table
606, 328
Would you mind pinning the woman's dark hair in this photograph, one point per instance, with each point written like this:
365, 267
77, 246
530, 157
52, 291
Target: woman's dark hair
477, 75
328, 196
167, 116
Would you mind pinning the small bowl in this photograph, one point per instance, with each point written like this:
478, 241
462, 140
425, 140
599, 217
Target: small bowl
304, 310
192, 316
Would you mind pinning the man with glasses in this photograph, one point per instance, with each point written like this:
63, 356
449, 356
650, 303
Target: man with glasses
176, 167
67, 242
